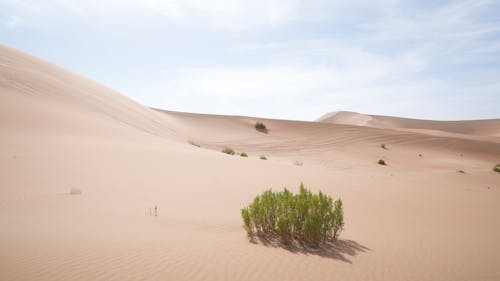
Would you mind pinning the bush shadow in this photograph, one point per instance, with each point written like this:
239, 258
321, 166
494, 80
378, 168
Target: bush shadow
262, 130
341, 249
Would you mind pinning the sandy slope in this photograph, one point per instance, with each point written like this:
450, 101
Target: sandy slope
474, 129
415, 219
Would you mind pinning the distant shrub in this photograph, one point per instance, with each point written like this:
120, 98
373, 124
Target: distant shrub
260, 126
298, 163
496, 168
383, 146
243, 154
194, 143
461, 171
262, 157
381, 162
307, 217
228, 150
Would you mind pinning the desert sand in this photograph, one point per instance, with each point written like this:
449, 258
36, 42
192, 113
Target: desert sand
417, 218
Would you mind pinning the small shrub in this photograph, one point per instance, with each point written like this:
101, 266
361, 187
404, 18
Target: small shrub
461, 171
381, 162
306, 217
243, 154
262, 157
383, 146
496, 168
298, 163
260, 126
228, 150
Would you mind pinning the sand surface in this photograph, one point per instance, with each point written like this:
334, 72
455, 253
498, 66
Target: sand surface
415, 219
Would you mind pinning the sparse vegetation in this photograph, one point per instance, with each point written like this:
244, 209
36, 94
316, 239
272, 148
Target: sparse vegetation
194, 143
306, 217
260, 126
496, 168
75, 191
298, 163
383, 146
461, 171
381, 162
228, 150
243, 154
262, 157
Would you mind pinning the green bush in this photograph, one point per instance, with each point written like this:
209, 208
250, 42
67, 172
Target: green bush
307, 217
262, 157
496, 168
243, 154
260, 126
228, 150
381, 162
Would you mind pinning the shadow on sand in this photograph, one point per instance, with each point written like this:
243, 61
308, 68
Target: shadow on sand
262, 130
339, 250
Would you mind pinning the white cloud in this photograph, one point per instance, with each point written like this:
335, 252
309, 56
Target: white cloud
225, 14
13, 22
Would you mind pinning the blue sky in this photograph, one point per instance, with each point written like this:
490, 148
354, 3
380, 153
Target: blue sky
275, 58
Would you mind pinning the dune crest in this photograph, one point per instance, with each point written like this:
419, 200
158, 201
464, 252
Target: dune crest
486, 129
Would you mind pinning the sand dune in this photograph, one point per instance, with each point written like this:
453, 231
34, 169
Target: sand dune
320, 142
415, 219
485, 129
45, 98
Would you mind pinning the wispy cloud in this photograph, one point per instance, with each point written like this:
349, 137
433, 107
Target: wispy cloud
226, 14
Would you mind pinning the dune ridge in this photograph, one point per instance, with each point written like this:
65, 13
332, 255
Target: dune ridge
485, 129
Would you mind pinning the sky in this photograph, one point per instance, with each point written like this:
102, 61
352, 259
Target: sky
277, 59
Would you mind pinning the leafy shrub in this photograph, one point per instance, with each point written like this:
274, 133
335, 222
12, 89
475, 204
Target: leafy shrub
307, 217
381, 162
247, 221
496, 168
262, 157
260, 126
243, 154
228, 150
